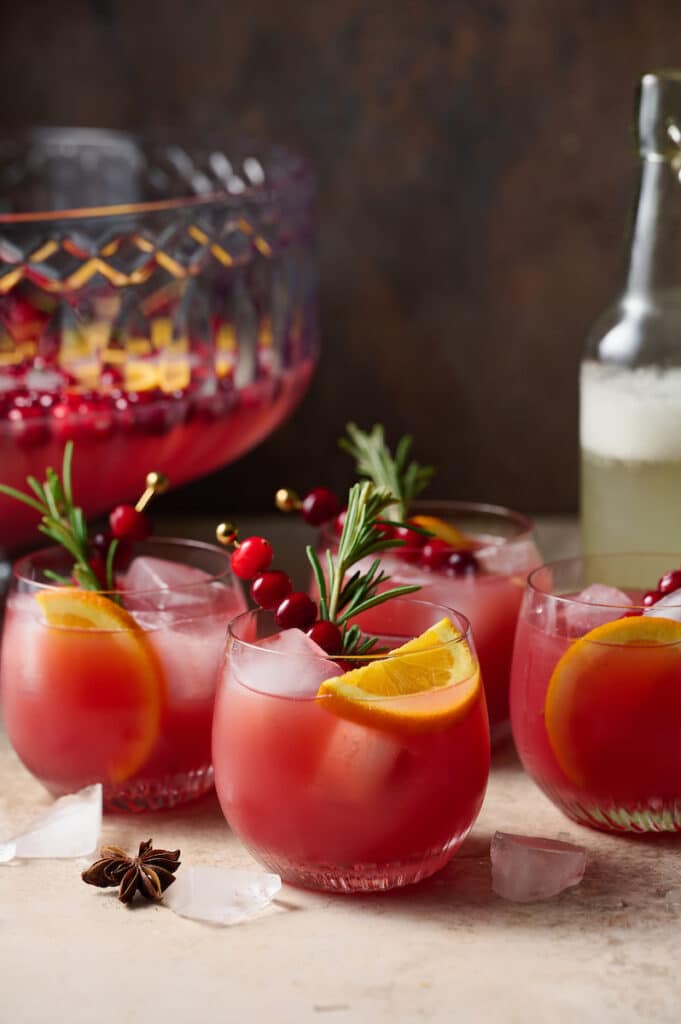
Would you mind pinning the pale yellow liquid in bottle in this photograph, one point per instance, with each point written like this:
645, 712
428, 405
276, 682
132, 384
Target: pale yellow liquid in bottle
630, 427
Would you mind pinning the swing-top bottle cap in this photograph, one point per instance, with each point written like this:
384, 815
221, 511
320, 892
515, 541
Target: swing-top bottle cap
659, 114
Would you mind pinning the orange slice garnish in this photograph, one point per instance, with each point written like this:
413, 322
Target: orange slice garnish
444, 531
102, 663
610, 695
427, 683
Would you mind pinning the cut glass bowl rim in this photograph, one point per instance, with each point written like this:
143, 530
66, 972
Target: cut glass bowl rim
299, 174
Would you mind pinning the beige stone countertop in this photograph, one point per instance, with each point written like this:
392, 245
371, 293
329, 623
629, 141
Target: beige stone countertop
446, 950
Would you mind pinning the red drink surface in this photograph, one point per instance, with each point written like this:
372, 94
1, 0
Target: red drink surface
490, 602
79, 706
185, 435
332, 803
609, 755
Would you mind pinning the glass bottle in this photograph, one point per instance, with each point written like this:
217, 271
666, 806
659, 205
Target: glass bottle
630, 388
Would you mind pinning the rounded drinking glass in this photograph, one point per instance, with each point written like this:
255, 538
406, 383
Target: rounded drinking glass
372, 794
118, 687
596, 691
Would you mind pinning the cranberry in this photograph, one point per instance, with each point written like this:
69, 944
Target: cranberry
151, 411
410, 538
347, 664
319, 505
327, 636
24, 398
253, 556
339, 521
101, 540
651, 598
460, 563
435, 552
81, 414
297, 611
27, 425
269, 589
98, 566
111, 377
412, 542
386, 531
670, 582
128, 524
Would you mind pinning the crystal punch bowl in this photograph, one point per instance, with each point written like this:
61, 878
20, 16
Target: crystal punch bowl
160, 309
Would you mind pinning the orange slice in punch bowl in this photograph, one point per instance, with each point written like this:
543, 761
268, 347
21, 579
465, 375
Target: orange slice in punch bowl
613, 705
447, 532
105, 675
426, 684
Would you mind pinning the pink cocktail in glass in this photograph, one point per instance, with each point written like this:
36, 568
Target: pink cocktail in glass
488, 591
118, 687
378, 800
596, 692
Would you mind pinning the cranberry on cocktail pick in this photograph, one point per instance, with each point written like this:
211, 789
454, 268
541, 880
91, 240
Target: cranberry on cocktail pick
128, 522
252, 556
297, 611
269, 588
669, 582
326, 635
319, 505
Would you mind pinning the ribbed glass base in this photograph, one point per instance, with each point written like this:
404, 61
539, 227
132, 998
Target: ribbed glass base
652, 816
349, 878
159, 794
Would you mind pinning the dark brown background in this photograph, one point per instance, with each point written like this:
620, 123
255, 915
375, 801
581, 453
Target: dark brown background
476, 171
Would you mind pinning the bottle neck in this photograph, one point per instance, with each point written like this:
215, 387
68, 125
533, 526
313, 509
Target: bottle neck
655, 262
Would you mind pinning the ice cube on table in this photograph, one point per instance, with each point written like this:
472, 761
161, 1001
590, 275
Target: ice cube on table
668, 607
356, 763
296, 668
70, 828
160, 583
529, 868
598, 604
221, 895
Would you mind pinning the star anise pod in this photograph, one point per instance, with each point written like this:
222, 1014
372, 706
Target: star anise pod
149, 873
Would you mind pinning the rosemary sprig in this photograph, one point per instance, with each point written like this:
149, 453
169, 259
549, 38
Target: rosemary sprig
395, 473
63, 522
343, 594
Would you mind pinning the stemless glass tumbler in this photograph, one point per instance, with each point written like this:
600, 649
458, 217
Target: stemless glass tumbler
378, 799
596, 691
118, 687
